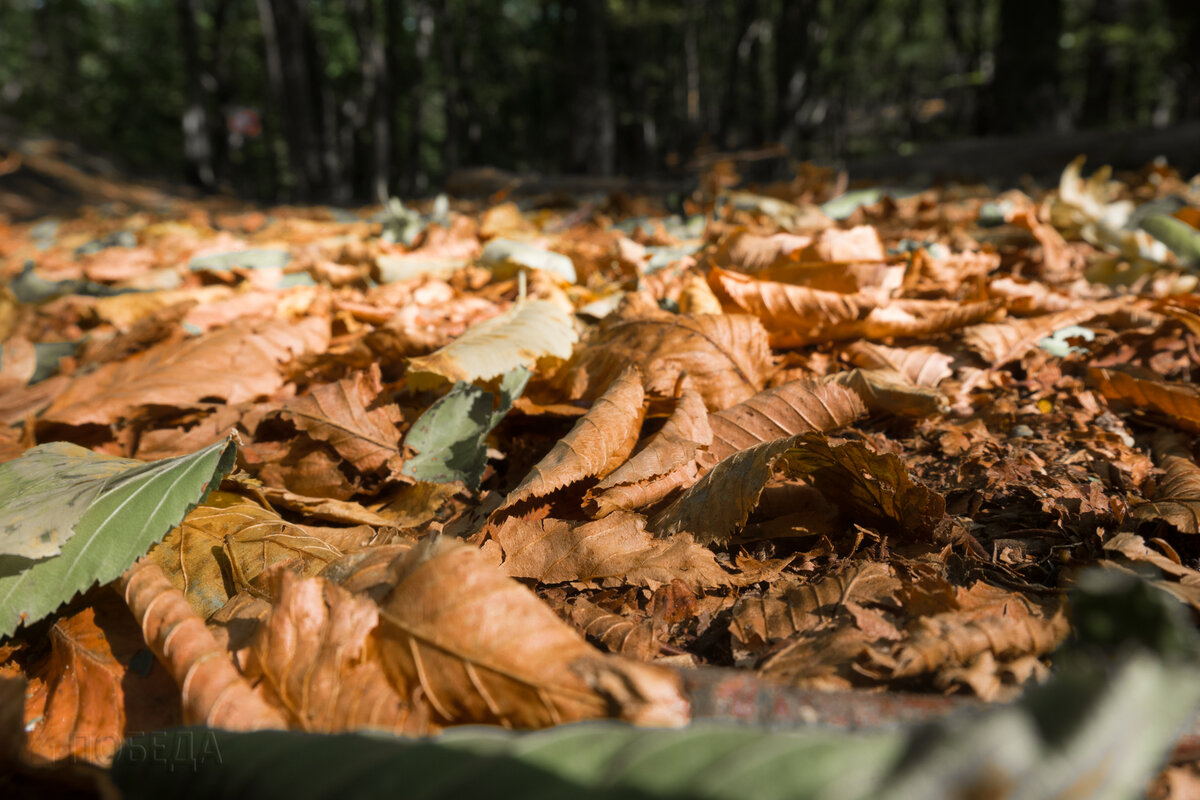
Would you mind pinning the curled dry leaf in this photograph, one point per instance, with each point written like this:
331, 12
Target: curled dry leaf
796, 407
213, 693
781, 613
888, 392
483, 648
727, 357
599, 442
988, 619
636, 640
527, 333
315, 657
1177, 499
348, 417
668, 460
798, 315
1177, 401
720, 502
921, 366
236, 364
615, 547
249, 539
1002, 342
874, 488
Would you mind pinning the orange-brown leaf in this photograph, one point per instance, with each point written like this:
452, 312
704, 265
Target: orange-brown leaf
615, 547
1178, 402
666, 462
316, 658
796, 407
727, 357
236, 364
922, 365
346, 415
483, 648
599, 443
213, 692
1177, 499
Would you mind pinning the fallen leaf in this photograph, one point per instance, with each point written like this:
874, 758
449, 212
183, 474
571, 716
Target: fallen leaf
483, 648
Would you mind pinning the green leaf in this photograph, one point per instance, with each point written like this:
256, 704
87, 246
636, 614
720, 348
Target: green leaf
103, 513
450, 436
1181, 238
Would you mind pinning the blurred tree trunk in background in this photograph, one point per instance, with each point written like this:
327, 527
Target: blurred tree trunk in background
1027, 67
593, 134
345, 100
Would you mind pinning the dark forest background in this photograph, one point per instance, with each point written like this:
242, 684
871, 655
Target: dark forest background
338, 100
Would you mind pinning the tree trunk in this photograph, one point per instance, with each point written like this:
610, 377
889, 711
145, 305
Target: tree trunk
795, 66
1026, 88
197, 146
593, 138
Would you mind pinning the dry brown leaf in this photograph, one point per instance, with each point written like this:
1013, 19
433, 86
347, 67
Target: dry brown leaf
234, 364
668, 460
483, 648
726, 357
988, 619
1177, 499
85, 699
348, 416
781, 613
921, 366
217, 551
719, 503
213, 692
1002, 342
599, 442
315, 657
1177, 401
636, 640
888, 392
616, 547
17, 364
869, 487
795, 407
821, 659
798, 315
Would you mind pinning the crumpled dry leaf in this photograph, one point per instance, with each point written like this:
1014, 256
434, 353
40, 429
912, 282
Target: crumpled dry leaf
599, 442
798, 315
884, 391
636, 640
788, 610
483, 648
799, 406
526, 334
213, 692
314, 656
348, 416
726, 357
1177, 499
988, 619
616, 547
1177, 401
668, 460
236, 364
873, 488
249, 539
720, 502
1002, 342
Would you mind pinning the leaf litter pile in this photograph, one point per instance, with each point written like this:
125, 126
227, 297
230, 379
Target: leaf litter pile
528, 464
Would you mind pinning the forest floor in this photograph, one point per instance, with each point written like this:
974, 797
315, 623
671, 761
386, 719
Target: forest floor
796, 456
